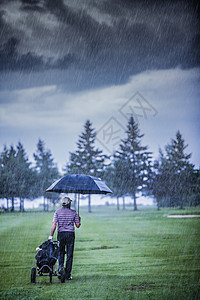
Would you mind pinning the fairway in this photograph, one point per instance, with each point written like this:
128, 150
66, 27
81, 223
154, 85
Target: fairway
118, 255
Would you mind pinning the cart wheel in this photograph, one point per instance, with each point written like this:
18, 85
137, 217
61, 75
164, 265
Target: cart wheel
62, 279
33, 275
50, 276
62, 274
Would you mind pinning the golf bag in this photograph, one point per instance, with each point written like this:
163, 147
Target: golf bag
47, 256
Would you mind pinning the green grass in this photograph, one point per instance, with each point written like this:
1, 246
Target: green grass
118, 255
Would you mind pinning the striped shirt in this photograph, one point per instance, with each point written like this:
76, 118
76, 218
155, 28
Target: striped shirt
66, 217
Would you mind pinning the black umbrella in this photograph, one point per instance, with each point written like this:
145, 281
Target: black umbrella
79, 184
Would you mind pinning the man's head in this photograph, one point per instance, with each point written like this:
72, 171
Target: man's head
66, 201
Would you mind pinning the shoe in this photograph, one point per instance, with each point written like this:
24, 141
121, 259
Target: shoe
69, 278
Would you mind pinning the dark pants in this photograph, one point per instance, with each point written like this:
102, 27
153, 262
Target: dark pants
66, 238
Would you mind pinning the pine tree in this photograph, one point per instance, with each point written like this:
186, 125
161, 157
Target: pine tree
174, 171
159, 184
135, 161
24, 174
16, 175
86, 159
8, 181
114, 179
194, 197
46, 168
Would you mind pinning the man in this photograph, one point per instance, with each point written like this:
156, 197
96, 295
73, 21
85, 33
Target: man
65, 218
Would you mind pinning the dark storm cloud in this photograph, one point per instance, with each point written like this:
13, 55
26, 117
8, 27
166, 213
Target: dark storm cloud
32, 5
109, 40
10, 60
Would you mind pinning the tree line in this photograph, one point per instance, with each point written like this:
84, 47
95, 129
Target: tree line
19, 179
131, 171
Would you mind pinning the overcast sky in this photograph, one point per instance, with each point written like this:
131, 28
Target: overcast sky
63, 62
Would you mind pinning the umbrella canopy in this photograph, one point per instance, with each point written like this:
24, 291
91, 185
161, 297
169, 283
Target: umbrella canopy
80, 184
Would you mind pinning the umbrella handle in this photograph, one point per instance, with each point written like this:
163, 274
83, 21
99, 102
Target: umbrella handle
78, 203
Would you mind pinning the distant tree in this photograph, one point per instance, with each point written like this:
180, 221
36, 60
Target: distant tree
114, 178
53, 198
8, 179
46, 168
159, 183
16, 175
134, 161
86, 159
194, 196
25, 176
172, 182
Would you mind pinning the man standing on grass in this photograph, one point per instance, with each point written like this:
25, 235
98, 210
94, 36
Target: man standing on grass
66, 218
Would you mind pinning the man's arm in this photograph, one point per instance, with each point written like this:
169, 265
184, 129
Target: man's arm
79, 223
53, 228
